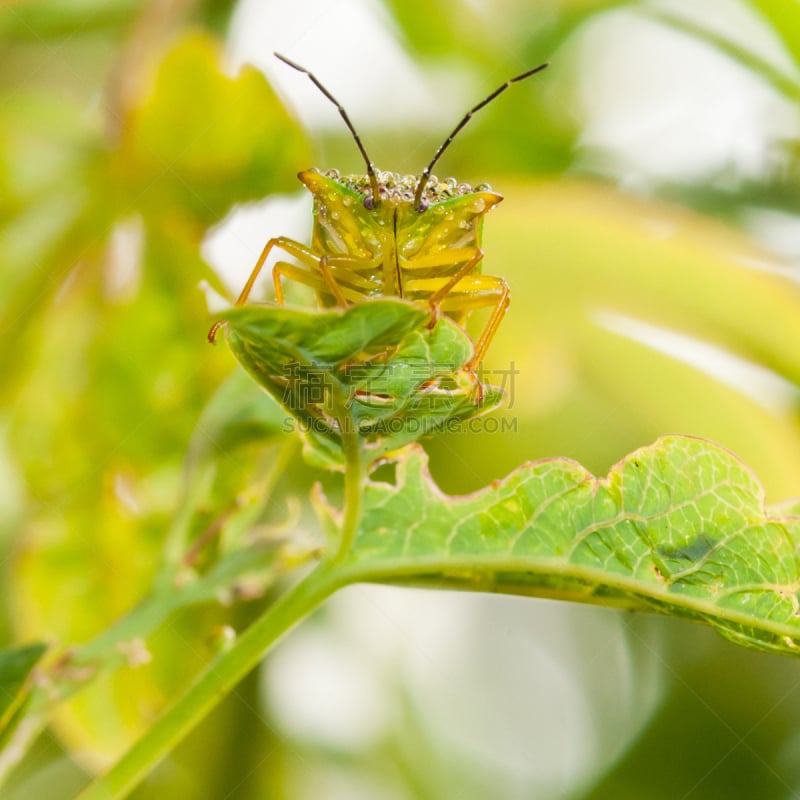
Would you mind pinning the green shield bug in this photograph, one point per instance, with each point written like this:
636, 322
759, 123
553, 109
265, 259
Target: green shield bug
408, 236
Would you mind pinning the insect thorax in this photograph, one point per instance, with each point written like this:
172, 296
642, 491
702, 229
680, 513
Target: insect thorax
395, 232
396, 188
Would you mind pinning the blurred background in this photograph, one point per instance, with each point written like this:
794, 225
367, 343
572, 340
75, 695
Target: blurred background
651, 237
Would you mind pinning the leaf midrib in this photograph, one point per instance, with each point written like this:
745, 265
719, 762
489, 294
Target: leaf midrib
489, 569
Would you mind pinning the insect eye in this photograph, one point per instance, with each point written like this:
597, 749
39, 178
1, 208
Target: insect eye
369, 203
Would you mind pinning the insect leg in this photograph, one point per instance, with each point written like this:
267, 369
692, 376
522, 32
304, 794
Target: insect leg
342, 278
296, 249
279, 241
489, 330
288, 245
436, 298
308, 276
469, 293
479, 291
342, 271
312, 261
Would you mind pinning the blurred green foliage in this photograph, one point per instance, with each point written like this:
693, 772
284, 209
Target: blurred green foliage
124, 139
104, 209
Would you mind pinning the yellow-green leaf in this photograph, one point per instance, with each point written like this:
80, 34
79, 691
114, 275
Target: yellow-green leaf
202, 140
679, 528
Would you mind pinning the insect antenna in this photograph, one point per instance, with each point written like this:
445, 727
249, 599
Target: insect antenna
373, 180
423, 180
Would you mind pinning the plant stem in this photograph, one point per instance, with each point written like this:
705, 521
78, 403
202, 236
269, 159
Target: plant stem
230, 667
212, 685
354, 474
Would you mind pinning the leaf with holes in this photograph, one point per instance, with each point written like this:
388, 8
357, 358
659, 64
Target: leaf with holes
679, 528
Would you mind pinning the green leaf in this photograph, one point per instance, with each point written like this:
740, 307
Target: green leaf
200, 141
784, 19
678, 527
375, 366
16, 665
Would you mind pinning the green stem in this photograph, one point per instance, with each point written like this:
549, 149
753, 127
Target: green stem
212, 685
230, 667
354, 474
